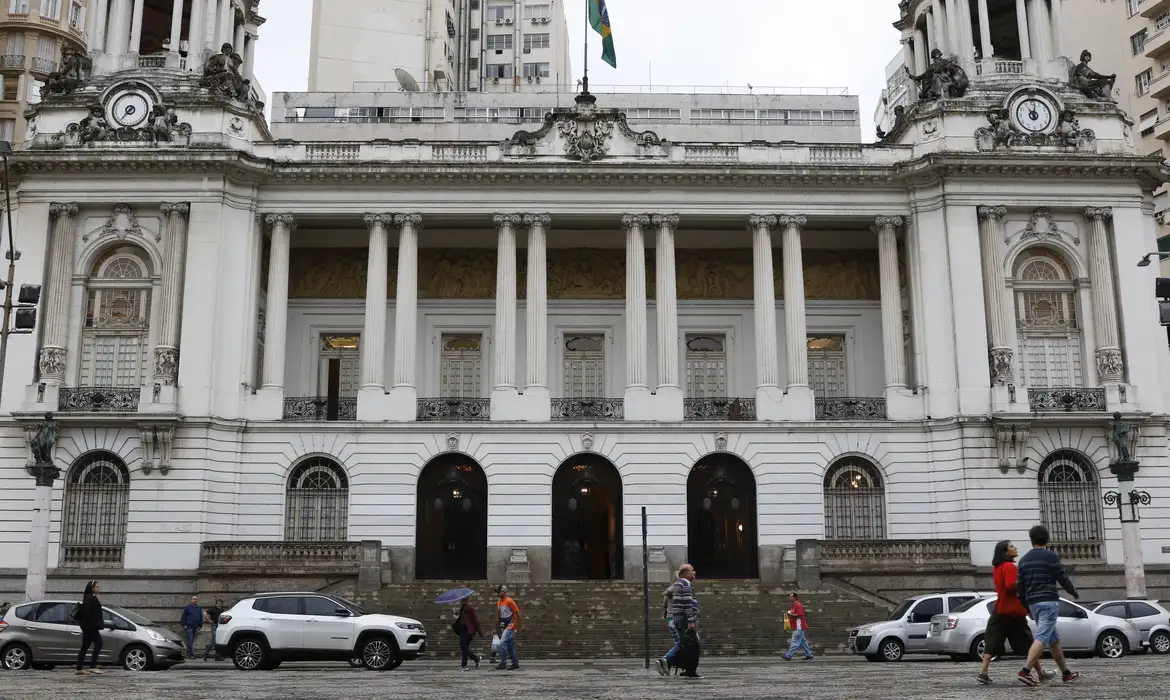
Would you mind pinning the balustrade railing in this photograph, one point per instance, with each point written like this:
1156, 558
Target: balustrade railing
459, 152
712, 154
719, 409
836, 154
104, 399
1077, 551
260, 555
455, 410
333, 151
43, 65
152, 61
89, 555
893, 553
851, 408
995, 66
1066, 400
12, 60
588, 409
320, 408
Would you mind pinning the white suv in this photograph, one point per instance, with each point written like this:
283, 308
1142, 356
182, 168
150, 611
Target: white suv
262, 631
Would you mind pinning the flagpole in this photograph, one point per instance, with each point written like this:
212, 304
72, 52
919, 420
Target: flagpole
585, 97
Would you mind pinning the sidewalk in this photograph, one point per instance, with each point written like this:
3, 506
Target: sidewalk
430, 664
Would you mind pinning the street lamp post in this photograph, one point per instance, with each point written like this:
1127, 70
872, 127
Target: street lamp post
1125, 467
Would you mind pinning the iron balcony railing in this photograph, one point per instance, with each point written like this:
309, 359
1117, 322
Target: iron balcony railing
320, 408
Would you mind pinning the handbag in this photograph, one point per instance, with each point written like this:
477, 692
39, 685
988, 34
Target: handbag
787, 623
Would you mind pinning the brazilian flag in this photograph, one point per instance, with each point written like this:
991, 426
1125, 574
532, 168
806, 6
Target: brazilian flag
599, 19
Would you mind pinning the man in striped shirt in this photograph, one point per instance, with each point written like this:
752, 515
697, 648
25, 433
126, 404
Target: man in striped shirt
684, 612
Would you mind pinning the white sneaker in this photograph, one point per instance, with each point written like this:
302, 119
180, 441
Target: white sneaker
464, 669
661, 666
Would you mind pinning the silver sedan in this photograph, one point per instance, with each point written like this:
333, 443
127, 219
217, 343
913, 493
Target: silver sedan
960, 633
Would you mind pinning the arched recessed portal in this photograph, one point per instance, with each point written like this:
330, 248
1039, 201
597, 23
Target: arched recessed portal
721, 518
451, 529
587, 519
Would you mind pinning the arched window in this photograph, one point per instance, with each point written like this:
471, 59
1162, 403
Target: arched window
97, 499
1047, 325
855, 501
116, 335
317, 502
1070, 504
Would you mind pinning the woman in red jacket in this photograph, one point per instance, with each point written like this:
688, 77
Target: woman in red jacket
1009, 619
467, 626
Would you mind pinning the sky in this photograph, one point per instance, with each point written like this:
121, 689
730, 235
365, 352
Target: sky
768, 43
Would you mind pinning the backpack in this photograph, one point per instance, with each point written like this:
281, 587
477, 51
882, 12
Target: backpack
76, 612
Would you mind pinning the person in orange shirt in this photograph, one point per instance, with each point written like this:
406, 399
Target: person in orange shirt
508, 622
1009, 619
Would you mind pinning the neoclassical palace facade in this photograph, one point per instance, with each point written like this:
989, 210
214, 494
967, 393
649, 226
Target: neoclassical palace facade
484, 329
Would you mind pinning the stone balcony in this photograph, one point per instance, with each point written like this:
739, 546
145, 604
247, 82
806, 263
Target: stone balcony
319, 408
719, 409
453, 410
588, 410
97, 399
1066, 400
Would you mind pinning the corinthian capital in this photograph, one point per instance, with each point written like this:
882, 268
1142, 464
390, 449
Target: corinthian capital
996, 212
373, 220
175, 208
62, 209
668, 220
413, 220
1098, 213
501, 220
632, 220
883, 223
792, 220
755, 221
537, 220
287, 220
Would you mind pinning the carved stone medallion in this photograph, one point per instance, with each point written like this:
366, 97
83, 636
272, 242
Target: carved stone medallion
121, 224
586, 136
1001, 366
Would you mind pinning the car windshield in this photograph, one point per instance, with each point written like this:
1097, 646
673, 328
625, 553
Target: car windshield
901, 610
968, 605
131, 616
352, 607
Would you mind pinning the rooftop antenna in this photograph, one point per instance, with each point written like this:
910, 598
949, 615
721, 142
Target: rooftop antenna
406, 81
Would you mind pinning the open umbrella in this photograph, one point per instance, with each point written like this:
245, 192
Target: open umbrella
453, 596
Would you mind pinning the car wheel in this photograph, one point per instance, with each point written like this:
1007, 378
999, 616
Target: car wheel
1160, 642
978, 648
249, 654
356, 662
1111, 645
892, 649
137, 658
17, 657
378, 654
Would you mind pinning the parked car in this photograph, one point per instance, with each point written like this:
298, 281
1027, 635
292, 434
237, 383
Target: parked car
261, 631
960, 633
43, 634
904, 632
1149, 616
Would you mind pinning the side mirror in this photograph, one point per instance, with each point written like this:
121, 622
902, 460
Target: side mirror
341, 612
109, 625
1081, 614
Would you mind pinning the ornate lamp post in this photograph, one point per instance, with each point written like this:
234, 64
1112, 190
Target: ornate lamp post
1125, 467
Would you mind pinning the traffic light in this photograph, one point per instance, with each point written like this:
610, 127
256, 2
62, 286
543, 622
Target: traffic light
29, 294
26, 312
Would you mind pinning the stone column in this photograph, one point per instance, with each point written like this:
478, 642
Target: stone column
991, 234
893, 345
250, 57
638, 400
136, 29
373, 341
54, 352
166, 353
537, 306
986, 49
403, 406
224, 32
666, 301
176, 33
238, 39
118, 41
1110, 367
921, 51
769, 395
276, 318
195, 34
97, 32
504, 395
1043, 31
1022, 28
209, 34
799, 399
931, 39
1058, 28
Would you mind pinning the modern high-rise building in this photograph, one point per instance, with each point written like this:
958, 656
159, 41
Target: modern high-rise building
32, 35
467, 45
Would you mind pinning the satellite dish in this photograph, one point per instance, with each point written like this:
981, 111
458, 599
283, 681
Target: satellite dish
406, 80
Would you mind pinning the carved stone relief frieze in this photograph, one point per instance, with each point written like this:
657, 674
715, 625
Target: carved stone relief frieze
457, 273
329, 273
714, 274
586, 273
847, 275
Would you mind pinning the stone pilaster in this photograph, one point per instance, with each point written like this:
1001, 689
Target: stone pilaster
1110, 366
991, 236
53, 356
373, 341
276, 327
666, 301
893, 338
166, 353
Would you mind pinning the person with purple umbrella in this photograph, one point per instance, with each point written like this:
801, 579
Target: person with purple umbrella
467, 627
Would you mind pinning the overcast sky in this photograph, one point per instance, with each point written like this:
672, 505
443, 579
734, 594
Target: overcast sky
830, 43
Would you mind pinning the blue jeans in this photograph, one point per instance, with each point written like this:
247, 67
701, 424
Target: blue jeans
676, 636
799, 641
210, 649
190, 633
508, 648
1045, 615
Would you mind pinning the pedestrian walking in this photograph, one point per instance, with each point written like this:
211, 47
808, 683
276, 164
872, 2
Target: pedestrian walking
1040, 570
1009, 618
684, 609
799, 624
467, 627
191, 620
211, 616
508, 622
89, 618
675, 634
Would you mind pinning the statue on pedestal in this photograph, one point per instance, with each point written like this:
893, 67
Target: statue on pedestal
221, 75
1092, 84
74, 71
1119, 435
43, 441
942, 78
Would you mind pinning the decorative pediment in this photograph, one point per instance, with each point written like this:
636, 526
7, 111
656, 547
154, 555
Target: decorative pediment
585, 134
122, 224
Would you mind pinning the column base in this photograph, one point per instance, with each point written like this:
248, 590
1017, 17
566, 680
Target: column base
537, 404
668, 402
1002, 399
166, 401
507, 404
903, 404
266, 404
799, 404
399, 405
42, 397
769, 403
372, 404
638, 404
174, 60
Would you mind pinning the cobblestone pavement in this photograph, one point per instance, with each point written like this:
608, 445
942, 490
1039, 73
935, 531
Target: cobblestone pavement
823, 679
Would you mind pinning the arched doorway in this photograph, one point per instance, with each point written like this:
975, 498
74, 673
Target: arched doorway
721, 518
450, 540
587, 520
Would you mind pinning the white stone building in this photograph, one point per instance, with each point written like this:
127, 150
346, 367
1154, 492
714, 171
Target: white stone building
443, 45
480, 343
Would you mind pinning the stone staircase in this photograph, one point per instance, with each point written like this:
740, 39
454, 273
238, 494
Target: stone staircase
604, 619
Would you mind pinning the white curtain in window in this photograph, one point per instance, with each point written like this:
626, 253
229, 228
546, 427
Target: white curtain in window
15, 45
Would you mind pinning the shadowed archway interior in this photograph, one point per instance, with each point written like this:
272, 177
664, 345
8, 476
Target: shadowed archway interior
451, 531
721, 518
587, 519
